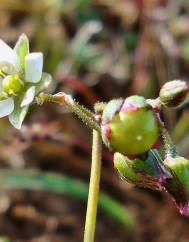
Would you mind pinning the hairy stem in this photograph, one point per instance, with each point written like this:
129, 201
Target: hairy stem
90, 222
83, 113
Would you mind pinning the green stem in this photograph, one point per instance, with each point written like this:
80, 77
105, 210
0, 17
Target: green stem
90, 222
64, 99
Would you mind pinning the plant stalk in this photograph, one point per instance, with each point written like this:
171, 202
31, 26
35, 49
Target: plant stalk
90, 222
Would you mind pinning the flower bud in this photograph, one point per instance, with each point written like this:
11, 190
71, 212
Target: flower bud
173, 93
129, 126
148, 173
12, 85
178, 186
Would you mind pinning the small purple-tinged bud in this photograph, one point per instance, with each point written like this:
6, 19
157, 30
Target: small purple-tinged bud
173, 93
129, 126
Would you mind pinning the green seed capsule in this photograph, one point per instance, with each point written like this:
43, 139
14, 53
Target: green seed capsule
12, 85
173, 93
129, 126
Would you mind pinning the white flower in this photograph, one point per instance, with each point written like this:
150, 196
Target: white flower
20, 72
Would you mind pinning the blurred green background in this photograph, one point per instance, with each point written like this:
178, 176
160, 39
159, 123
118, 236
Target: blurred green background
96, 50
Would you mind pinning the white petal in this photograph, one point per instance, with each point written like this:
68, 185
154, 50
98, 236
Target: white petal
33, 67
6, 107
28, 97
8, 59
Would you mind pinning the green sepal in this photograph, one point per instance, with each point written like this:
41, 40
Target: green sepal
134, 103
22, 49
17, 117
147, 172
44, 83
124, 166
109, 112
111, 109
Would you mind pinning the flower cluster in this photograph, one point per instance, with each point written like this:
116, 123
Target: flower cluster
132, 128
21, 78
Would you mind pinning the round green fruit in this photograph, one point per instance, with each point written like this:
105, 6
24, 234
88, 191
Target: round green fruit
129, 126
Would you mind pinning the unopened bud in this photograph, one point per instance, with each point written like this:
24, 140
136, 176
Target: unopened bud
173, 93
